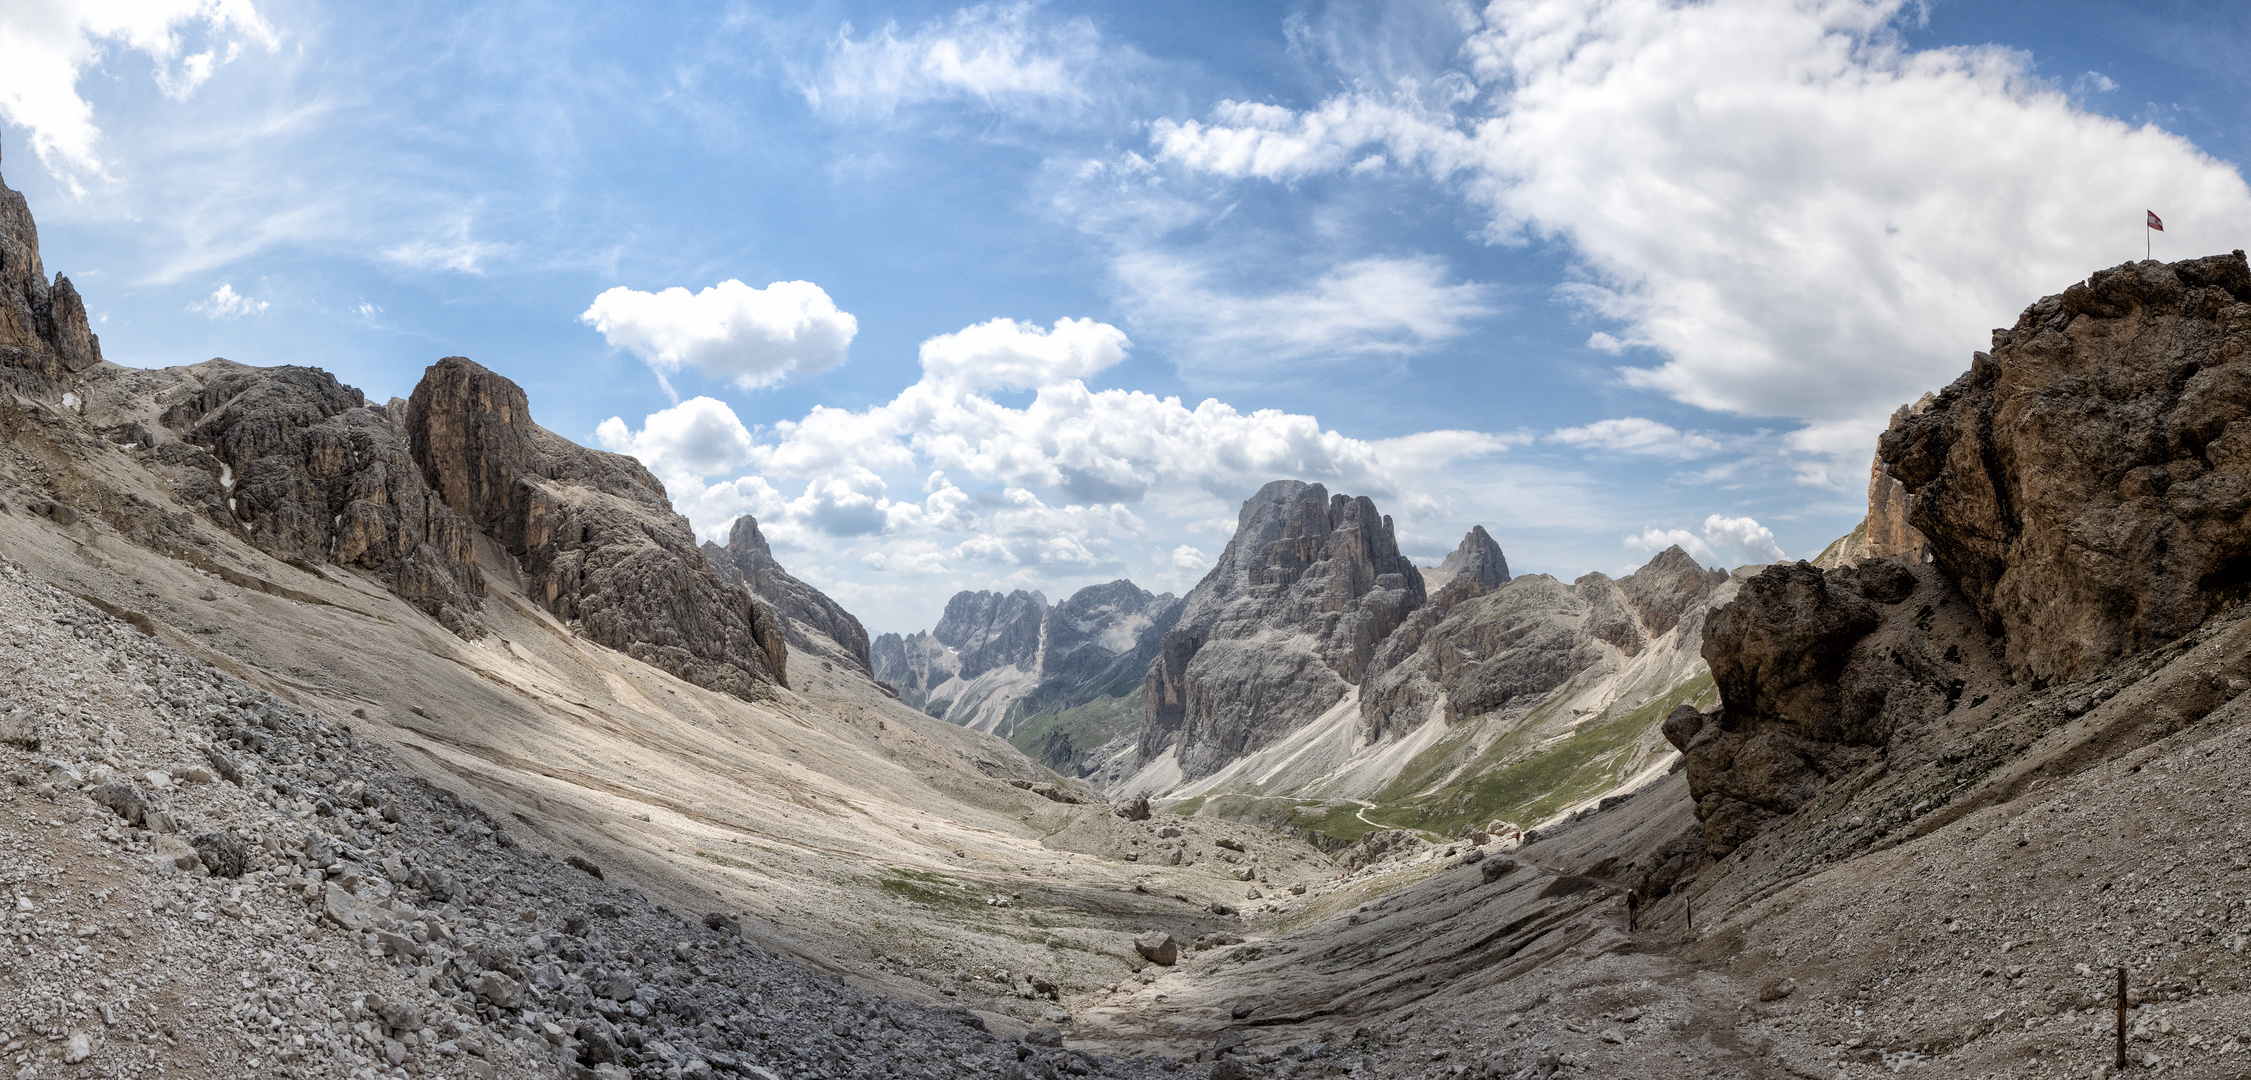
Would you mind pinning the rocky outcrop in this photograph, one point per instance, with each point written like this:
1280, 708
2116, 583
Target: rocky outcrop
1286, 622
594, 532
748, 562
44, 335
312, 474
2088, 481
1817, 673
1525, 638
1476, 566
1098, 643
1885, 532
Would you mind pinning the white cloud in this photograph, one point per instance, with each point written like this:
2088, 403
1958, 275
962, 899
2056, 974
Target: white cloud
450, 249
750, 337
1726, 542
1799, 214
1063, 485
1636, 435
225, 303
1008, 355
994, 54
701, 436
1378, 306
45, 44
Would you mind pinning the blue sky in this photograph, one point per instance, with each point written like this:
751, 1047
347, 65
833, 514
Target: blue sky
1032, 295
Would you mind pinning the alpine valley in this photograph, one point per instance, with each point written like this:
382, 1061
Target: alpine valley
354, 738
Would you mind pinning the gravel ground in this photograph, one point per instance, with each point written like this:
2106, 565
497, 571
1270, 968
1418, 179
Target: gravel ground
199, 881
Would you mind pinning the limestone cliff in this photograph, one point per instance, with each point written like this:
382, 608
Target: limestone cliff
1287, 621
2087, 482
44, 335
748, 562
1521, 640
1048, 678
2083, 491
594, 532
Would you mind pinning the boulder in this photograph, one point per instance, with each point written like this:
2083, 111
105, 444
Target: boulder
1133, 809
126, 800
1157, 947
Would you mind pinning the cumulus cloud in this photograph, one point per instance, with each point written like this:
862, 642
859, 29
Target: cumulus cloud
749, 337
701, 436
45, 44
1725, 541
996, 54
225, 303
1007, 355
1057, 486
1636, 435
1797, 213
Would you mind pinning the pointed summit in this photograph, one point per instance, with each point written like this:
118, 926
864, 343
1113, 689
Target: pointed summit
748, 561
44, 336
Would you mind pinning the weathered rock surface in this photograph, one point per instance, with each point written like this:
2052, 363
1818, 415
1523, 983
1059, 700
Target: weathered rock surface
749, 562
595, 533
1476, 566
2087, 482
44, 336
989, 630
1524, 638
312, 474
1288, 619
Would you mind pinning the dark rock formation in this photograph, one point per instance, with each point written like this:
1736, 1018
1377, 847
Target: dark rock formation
747, 561
2088, 482
1287, 620
44, 335
1473, 568
1525, 638
597, 538
314, 475
1817, 673
913, 665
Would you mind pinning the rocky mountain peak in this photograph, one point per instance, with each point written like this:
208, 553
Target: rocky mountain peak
1319, 582
748, 562
44, 335
991, 630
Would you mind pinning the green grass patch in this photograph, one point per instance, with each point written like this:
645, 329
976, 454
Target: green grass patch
1062, 738
922, 886
1189, 807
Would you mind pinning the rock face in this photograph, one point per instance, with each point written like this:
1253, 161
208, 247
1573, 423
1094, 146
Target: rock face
1098, 643
1523, 638
2083, 492
1817, 673
2087, 481
1476, 566
596, 536
1286, 622
988, 630
311, 474
1885, 533
748, 562
44, 335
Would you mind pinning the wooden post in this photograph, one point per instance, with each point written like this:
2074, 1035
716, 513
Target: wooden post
2122, 1018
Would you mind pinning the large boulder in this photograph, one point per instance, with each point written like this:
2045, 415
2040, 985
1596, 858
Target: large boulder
2088, 482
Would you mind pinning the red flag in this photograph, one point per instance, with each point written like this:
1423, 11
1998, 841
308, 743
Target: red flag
2155, 222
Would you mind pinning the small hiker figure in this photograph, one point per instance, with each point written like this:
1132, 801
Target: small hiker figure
1633, 909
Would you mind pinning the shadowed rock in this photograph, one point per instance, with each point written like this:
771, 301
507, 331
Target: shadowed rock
44, 335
